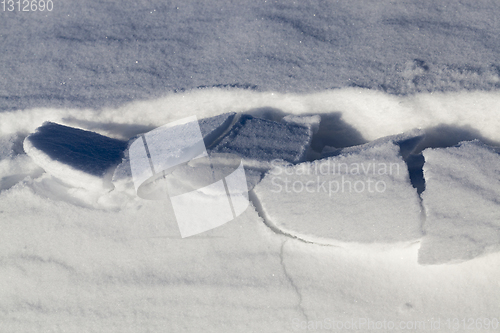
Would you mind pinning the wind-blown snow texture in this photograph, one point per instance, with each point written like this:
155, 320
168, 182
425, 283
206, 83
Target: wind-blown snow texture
94, 54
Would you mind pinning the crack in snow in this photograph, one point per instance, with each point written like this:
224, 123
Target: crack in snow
292, 283
423, 215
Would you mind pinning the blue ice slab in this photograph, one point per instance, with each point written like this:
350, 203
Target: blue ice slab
83, 150
264, 140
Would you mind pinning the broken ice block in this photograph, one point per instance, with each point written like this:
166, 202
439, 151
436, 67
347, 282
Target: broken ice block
462, 202
362, 195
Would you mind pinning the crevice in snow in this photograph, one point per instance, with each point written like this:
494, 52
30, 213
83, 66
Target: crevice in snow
292, 283
415, 164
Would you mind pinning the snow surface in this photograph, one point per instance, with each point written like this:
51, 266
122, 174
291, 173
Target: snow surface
93, 54
77, 256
